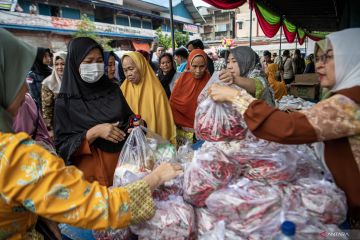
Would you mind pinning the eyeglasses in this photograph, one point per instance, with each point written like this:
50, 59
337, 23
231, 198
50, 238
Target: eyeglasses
323, 58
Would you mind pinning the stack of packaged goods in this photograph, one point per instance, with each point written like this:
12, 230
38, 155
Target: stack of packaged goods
235, 186
259, 185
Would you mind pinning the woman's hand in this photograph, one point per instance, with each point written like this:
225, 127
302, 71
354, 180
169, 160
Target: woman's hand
162, 174
107, 131
222, 93
226, 76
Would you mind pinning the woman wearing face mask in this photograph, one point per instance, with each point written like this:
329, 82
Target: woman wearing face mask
167, 73
146, 96
35, 183
334, 121
50, 89
184, 96
91, 114
243, 68
39, 71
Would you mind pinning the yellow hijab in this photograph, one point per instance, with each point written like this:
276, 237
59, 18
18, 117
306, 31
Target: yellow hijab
149, 99
278, 87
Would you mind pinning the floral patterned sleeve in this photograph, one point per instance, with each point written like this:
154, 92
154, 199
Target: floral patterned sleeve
335, 117
47, 98
39, 181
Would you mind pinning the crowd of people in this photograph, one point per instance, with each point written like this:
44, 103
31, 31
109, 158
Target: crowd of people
63, 127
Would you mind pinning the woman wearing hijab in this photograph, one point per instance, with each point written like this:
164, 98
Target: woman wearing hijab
91, 114
334, 121
243, 68
34, 182
167, 73
39, 71
29, 120
50, 89
110, 66
183, 99
146, 96
278, 86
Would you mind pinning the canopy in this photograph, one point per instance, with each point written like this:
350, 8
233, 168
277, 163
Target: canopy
300, 18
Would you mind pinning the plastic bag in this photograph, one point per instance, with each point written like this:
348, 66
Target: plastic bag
274, 167
209, 226
218, 122
323, 200
173, 219
248, 206
210, 170
119, 234
185, 154
205, 221
141, 152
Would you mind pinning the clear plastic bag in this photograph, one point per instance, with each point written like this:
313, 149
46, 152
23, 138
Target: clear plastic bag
274, 167
248, 207
322, 200
210, 170
141, 152
174, 219
218, 122
119, 234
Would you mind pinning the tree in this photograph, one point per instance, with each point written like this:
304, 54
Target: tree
86, 28
164, 39
181, 39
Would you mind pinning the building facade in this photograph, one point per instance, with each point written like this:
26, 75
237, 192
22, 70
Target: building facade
237, 22
219, 23
130, 24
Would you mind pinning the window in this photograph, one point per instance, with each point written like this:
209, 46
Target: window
240, 25
135, 22
55, 11
221, 28
44, 9
165, 28
70, 13
146, 25
122, 20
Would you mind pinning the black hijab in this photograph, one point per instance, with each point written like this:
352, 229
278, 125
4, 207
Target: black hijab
39, 67
166, 79
120, 69
81, 105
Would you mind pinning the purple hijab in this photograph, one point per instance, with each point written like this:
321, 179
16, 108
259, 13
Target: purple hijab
26, 120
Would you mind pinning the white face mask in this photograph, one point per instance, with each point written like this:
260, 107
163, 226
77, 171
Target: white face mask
91, 72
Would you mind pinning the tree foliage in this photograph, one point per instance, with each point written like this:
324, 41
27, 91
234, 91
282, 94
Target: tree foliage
86, 28
181, 39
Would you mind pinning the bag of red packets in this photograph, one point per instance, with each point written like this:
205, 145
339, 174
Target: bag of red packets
218, 122
247, 206
273, 167
173, 219
210, 170
321, 199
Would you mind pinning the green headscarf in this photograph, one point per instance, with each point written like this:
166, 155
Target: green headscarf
16, 58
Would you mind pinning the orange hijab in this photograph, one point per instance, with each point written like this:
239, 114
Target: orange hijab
184, 96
